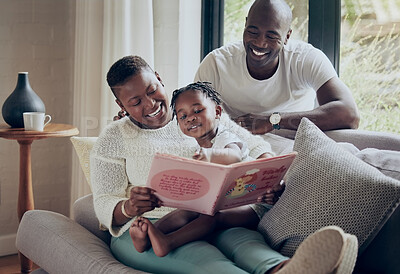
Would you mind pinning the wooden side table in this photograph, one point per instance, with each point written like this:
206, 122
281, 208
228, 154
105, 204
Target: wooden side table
25, 192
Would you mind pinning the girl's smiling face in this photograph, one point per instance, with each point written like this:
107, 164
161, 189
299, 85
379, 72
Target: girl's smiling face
143, 96
197, 115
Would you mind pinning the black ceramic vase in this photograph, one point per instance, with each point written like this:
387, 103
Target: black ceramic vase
22, 99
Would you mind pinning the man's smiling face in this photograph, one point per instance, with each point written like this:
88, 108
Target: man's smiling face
264, 36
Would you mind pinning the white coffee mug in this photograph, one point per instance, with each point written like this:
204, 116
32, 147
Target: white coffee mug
35, 120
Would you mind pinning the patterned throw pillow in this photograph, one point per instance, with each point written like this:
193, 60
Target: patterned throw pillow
327, 185
83, 146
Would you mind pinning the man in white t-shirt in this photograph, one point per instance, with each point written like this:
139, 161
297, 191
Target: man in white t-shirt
269, 82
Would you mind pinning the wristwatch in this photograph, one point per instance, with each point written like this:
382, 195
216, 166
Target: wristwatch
275, 118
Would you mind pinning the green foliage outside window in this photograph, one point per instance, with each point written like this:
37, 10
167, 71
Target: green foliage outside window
370, 63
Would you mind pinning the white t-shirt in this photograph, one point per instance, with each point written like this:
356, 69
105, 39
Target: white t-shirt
302, 70
225, 137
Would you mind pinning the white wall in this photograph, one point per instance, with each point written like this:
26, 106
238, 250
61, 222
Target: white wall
177, 45
37, 36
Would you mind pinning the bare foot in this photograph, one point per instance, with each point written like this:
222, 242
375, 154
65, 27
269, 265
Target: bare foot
159, 241
138, 232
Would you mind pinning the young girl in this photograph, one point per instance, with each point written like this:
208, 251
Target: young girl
198, 111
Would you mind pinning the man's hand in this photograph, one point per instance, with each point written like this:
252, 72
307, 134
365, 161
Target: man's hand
141, 200
272, 195
256, 124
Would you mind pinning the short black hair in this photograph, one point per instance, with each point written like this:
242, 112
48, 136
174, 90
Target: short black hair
125, 68
204, 87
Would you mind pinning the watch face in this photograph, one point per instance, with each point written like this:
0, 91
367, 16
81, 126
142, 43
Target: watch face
275, 118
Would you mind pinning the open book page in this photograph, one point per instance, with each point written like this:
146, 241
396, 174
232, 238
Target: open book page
249, 180
208, 187
186, 183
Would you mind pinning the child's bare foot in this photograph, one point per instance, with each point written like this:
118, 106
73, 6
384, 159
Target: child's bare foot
159, 241
138, 232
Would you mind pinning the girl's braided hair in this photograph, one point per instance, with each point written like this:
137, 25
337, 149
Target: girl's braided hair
204, 87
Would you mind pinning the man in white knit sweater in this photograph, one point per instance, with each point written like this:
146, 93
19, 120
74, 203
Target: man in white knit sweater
120, 162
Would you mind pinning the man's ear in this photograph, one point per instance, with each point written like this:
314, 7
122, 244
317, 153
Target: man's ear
159, 78
218, 112
288, 36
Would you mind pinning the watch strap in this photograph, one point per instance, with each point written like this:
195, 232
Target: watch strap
276, 126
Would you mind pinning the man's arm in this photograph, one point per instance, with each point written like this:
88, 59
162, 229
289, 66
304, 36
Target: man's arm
337, 110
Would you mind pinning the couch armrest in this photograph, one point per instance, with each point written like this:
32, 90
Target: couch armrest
360, 138
59, 245
366, 139
85, 216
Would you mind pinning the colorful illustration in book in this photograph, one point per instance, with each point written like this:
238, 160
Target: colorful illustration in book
242, 185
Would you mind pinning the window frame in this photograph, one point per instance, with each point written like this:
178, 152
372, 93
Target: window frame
212, 26
323, 27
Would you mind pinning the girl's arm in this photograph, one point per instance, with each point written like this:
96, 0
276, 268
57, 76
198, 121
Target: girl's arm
230, 154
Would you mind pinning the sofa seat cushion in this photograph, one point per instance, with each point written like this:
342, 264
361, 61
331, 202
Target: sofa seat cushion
59, 245
328, 185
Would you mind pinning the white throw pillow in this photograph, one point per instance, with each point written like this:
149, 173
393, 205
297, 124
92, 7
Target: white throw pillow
327, 185
83, 146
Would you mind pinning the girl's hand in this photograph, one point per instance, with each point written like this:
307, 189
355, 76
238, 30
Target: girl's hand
121, 114
272, 195
141, 200
203, 154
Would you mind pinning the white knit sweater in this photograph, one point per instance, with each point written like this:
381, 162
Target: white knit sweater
122, 156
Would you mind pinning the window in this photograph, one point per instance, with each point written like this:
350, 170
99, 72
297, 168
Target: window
370, 63
235, 12
363, 33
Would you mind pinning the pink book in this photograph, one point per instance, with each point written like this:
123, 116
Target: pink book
208, 187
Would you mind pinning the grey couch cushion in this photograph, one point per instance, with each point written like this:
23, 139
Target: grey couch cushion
327, 185
387, 161
360, 138
59, 245
365, 139
84, 215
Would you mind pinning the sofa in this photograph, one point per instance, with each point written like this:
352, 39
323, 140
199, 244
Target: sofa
59, 244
